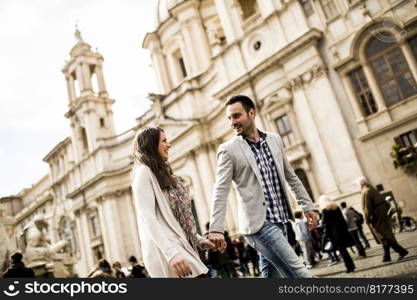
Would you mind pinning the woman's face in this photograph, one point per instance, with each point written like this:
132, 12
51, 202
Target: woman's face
163, 146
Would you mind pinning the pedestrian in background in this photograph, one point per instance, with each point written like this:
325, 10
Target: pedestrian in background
117, 267
138, 271
103, 270
360, 220
17, 268
304, 238
376, 210
350, 218
336, 230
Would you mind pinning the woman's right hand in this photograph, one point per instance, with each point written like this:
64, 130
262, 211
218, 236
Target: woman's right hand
180, 266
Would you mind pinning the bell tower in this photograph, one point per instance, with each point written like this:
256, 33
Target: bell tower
89, 104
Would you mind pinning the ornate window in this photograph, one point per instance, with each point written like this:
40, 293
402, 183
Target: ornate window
363, 92
181, 65
248, 7
308, 7
95, 226
285, 130
391, 70
329, 8
84, 140
98, 253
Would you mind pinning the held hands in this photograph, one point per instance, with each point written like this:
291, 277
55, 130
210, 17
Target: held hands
218, 240
180, 266
312, 218
207, 244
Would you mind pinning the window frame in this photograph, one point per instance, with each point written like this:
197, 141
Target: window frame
363, 92
289, 133
336, 5
393, 75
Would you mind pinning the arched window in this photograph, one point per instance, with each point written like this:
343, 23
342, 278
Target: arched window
84, 139
390, 68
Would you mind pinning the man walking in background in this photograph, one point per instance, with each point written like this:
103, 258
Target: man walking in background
376, 209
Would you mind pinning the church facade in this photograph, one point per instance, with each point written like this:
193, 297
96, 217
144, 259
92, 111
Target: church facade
336, 79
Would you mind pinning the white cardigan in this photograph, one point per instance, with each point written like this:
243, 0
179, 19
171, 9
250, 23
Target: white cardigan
160, 233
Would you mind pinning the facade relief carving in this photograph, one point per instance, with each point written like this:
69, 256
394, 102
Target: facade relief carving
306, 78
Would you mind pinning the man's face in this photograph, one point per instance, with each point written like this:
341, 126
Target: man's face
241, 121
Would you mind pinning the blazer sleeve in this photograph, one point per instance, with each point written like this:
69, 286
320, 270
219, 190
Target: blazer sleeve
146, 211
221, 190
301, 195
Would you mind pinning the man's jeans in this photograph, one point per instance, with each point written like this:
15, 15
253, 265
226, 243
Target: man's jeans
278, 258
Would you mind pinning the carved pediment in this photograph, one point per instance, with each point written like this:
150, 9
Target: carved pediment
276, 101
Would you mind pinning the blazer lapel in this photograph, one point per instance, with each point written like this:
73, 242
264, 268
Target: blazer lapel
247, 151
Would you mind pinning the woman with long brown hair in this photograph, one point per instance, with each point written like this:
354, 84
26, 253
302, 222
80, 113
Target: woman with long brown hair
166, 224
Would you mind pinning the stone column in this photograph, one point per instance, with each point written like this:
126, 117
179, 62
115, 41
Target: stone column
111, 230
188, 50
161, 71
86, 76
70, 88
314, 141
79, 74
101, 83
410, 59
229, 20
84, 241
201, 203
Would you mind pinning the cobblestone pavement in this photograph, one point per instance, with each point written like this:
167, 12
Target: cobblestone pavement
372, 266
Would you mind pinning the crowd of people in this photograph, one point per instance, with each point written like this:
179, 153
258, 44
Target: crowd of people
105, 270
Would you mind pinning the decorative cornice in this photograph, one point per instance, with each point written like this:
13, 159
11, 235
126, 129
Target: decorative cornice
306, 78
390, 126
308, 38
99, 177
113, 194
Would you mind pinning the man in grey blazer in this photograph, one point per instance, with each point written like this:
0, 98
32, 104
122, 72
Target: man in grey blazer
256, 164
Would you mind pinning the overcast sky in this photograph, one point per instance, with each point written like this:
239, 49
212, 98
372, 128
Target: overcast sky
35, 39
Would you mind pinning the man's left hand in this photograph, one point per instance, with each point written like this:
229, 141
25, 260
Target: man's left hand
312, 217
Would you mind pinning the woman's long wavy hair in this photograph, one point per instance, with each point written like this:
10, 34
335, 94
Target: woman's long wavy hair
145, 151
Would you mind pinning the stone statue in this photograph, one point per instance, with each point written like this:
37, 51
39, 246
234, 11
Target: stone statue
43, 257
6, 247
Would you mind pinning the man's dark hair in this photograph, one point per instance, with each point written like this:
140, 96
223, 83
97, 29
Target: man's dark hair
133, 259
343, 205
17, 257
247, 103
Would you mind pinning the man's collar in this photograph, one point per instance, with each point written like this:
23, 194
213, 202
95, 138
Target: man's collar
262, 136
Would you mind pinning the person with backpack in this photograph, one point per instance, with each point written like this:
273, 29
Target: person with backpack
353, 229
360, 220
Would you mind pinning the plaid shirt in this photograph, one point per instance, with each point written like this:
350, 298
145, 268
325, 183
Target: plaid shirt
277, 210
